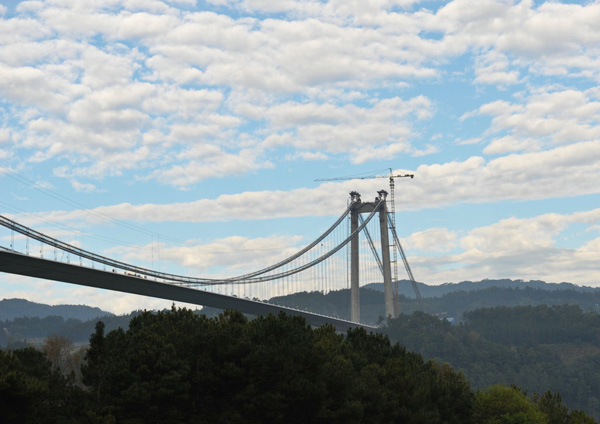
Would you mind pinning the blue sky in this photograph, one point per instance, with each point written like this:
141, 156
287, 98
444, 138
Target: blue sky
188, 134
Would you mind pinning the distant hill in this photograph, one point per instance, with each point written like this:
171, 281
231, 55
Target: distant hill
17, 308
405, 287
449, 300
34, 320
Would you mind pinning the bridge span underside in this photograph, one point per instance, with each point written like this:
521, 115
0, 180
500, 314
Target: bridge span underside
17, 263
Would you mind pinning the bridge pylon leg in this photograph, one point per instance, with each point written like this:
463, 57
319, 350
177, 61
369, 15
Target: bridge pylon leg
354, 268
387, 268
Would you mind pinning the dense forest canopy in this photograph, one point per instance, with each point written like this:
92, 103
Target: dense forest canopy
536, 347
450, 300
180, 367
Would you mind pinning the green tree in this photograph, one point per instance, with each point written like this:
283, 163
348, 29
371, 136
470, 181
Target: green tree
93, 370
580, 417
506, 405
20, 388
32, 392
175, 366
551, 405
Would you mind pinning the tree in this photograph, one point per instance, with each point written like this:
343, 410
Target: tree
32, 392
505, 405
93, 370
62, 354
20, 387
175, 366
551, 405
580, 417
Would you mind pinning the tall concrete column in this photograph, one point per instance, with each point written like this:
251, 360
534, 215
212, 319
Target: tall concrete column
354, 283
385, 257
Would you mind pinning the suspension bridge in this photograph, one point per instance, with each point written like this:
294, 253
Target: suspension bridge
353, 251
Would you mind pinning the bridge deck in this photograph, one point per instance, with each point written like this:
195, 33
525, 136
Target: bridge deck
17, 263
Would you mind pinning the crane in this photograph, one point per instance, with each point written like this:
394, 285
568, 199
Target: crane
392, 186
392, 220
391, 177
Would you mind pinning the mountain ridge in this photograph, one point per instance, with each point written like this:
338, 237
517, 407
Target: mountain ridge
405, 287
17, 308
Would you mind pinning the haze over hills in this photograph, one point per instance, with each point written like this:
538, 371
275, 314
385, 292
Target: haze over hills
405, 287
449, 300
24, 320
16, 308
462, 297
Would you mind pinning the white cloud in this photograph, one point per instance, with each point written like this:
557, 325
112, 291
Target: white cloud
83, 187
188, 3
508, 144
30, 86
564, 171
526, 248
382, 130
220, 258
187, 103
184, 64
4, 135
546, 117
208, 161
493, 69
98, 104
312, 156
428, 150
431, 240
17, 30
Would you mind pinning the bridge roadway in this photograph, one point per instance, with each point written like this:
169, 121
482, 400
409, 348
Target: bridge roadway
18, 263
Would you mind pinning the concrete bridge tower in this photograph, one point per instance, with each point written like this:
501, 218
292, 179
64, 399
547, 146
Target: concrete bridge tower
368, 207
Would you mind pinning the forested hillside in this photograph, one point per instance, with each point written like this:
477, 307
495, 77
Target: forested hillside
20, 332
405, 287
534, 347
178, 367
16, 308
24, 320
453, 304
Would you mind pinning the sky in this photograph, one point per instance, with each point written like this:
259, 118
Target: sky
187, 135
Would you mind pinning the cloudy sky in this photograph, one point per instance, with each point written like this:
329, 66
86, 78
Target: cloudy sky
187, 134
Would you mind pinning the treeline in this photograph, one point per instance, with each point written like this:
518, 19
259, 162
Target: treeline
405, 286
535, 347
14, 308
455, 304
451, 305
337, 303
530, 326
178, 367
19, 332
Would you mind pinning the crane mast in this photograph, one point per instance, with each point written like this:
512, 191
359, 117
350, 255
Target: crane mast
392, 224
